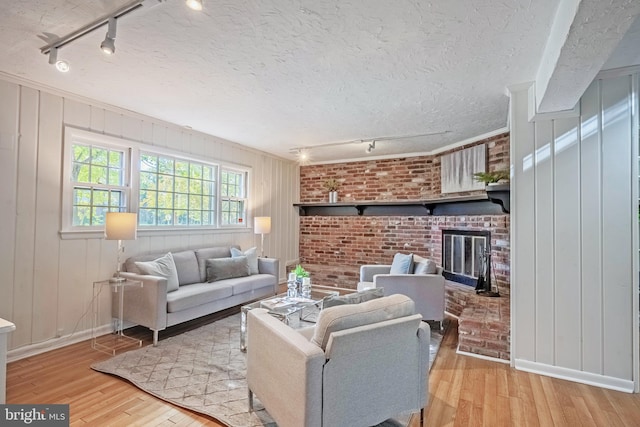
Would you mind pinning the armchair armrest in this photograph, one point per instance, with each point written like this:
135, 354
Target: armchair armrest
146, 305
368, 271
284, 370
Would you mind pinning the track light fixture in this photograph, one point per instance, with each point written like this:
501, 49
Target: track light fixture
108, 45
194, 4
372, 146
61, 65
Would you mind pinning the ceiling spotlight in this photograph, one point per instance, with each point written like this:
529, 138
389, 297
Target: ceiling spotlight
61, 65
371, 147
108, 45
194, 4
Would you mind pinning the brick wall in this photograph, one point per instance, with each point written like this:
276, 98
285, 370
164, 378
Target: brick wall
411, 178
332, 248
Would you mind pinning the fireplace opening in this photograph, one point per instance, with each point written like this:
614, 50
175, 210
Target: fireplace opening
466, 257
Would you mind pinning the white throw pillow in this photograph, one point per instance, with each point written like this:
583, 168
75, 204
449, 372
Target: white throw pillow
252, 258
163, 267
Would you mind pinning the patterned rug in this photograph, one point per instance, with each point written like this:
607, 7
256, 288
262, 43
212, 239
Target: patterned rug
204, 370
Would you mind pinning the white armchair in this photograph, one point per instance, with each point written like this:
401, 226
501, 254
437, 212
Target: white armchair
360, 365
426, 290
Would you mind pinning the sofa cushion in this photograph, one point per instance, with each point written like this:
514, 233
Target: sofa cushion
241, 285
202, 255
252, 258
226, 268
423, 265
354, 298
163, 267
352, 315
402, 264
197, 294
185, 261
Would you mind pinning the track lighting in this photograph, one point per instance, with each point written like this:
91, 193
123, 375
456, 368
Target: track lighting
108, 45
61, 65
372, 146
194, 4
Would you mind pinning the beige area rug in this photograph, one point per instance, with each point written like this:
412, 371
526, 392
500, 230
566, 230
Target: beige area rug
204, 370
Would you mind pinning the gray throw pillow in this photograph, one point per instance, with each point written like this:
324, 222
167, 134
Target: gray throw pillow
163, 267
252, 258
355, 298
402, 264
226, 268
423, 265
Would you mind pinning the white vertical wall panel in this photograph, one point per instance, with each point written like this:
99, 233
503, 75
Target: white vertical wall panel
591, 230
25, 216
47, 282
583, 317
9, 94
544, 231
523, 229
616, 217
566, 246
48, 210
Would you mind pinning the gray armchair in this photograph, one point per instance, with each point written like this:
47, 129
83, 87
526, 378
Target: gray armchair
360, 365
426, 290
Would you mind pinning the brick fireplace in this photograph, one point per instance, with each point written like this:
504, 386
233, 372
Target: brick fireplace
333, 248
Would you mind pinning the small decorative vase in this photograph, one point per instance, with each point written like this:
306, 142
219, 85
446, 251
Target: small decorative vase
306, 287
292, 286
333, 196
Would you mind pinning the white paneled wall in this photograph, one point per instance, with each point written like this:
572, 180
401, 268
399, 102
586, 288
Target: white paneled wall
575, 243
46, 282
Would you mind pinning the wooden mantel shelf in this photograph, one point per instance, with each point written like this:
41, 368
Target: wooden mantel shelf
496, 202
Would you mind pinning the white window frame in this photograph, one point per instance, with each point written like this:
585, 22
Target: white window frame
132, 150
244, 199
77, 136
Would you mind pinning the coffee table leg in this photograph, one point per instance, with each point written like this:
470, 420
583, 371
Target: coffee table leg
243, 328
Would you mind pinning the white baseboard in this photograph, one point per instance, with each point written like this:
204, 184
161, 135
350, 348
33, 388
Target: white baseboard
588, 378
54, 343
481, 356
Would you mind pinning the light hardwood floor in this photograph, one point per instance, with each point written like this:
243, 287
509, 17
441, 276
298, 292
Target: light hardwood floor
465, 391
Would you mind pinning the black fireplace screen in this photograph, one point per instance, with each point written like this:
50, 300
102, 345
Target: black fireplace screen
465, 256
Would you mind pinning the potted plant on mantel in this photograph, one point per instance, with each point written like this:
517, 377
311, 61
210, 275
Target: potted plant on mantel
332, 185
494, 180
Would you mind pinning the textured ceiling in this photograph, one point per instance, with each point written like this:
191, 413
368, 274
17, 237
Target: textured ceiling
281, 74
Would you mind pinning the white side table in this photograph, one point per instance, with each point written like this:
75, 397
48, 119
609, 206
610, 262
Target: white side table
111, 343
5, 328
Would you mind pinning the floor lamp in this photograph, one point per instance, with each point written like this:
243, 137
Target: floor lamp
120, 226
262, 226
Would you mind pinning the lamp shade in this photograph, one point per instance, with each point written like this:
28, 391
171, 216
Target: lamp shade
262, 225
120, 226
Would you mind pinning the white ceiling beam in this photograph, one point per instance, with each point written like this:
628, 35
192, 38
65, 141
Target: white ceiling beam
583, 36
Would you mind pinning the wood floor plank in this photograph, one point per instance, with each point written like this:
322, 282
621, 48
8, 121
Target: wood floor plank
463, 391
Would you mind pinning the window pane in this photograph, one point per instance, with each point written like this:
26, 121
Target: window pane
165, 183
181, 218
115, 159
100, 198
98, 215
115, 177
98, 175
99, 156
182, 168
117, 199
81, 153
165, 217
195, 187
182, 185
165, 166
195, 217
147, 216
196, 171
148, 163
81, 173
148, 181
81, 215
81, 196
182, 201
195, 202
165, 200
148, 199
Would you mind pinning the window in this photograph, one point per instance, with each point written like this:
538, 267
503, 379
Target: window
232, 196
167, 190
97, 182
176, 192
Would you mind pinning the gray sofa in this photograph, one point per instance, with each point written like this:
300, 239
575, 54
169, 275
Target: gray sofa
156, 308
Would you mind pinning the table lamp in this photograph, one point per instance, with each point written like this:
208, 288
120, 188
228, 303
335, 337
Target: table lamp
262, 226
120, 226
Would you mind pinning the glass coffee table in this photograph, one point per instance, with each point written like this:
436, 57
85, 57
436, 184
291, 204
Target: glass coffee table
304, 310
